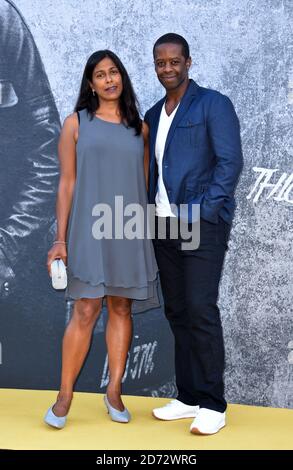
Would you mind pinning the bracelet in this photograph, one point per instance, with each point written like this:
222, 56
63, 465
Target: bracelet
59, 241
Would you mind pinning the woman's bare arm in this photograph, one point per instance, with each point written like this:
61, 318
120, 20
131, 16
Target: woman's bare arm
67, 158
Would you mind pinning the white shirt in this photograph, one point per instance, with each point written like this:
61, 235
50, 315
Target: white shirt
163, 208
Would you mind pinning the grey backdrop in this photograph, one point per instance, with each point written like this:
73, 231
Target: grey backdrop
244, 49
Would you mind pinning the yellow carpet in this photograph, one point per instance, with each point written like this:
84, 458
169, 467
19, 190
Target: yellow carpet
89, 427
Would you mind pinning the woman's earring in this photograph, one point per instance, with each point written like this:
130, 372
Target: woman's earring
93, 92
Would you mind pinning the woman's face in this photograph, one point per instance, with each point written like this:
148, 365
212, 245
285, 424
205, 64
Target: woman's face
107, 80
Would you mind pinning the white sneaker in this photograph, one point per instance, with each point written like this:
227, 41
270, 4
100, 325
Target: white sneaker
175, 409
208, 422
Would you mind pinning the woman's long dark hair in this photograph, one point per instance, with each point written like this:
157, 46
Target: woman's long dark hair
128, 100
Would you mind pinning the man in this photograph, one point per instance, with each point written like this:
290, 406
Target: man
195, 158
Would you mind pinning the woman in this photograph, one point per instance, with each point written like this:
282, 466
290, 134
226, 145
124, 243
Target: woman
103, 153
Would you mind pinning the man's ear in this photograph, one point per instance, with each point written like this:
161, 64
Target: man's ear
188, 63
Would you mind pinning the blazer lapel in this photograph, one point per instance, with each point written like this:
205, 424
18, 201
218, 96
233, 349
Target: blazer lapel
155, 125
186, 100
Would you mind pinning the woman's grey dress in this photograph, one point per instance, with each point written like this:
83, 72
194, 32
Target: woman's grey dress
109, 163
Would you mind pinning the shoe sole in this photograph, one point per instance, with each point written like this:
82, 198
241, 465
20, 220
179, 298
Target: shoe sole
198, 432
173, 419
49, 423
53, 426
116, 421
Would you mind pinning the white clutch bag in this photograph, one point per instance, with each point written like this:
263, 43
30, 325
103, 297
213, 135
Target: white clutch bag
59, 274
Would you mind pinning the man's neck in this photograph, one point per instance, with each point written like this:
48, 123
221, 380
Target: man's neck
174, 96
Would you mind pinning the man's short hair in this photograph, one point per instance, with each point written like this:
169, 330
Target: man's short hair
173, 38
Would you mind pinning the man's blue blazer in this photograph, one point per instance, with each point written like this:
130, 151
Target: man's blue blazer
202, 157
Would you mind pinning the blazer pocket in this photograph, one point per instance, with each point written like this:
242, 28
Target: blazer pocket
191, 131
195, 192
196, 187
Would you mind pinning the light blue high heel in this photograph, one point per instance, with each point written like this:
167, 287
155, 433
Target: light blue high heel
53, 420
116, 415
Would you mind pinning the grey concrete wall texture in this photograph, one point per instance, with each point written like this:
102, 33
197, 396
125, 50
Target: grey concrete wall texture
243, 49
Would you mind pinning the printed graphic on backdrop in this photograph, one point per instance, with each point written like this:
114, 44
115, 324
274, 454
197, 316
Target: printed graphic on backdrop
241, 49
29, 128
33, 316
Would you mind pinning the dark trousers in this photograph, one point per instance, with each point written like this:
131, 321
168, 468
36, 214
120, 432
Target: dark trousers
190, 281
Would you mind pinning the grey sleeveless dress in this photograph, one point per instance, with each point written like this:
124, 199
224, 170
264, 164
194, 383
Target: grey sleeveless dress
109, 163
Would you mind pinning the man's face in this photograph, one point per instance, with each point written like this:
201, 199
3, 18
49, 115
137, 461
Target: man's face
170, 65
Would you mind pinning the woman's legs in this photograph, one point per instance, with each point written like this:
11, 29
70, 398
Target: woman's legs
76, 342
118, 338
